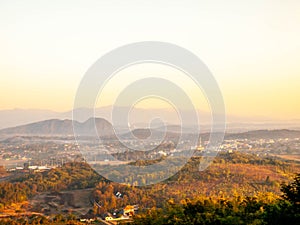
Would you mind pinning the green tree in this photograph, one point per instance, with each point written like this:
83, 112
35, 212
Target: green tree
291, 192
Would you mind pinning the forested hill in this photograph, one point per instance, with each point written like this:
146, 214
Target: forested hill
236, 188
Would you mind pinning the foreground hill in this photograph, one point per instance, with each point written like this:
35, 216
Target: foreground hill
236, 189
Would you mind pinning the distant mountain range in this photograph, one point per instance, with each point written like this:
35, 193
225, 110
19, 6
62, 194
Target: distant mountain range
105, 129
62, 127
140, 118
265, 134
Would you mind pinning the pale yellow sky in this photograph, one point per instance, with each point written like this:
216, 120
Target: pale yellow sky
251, 47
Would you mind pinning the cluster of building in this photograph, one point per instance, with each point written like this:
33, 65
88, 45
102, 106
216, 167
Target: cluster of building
263, 146
28, 168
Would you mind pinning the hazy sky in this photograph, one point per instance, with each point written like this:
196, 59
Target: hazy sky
251, 47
